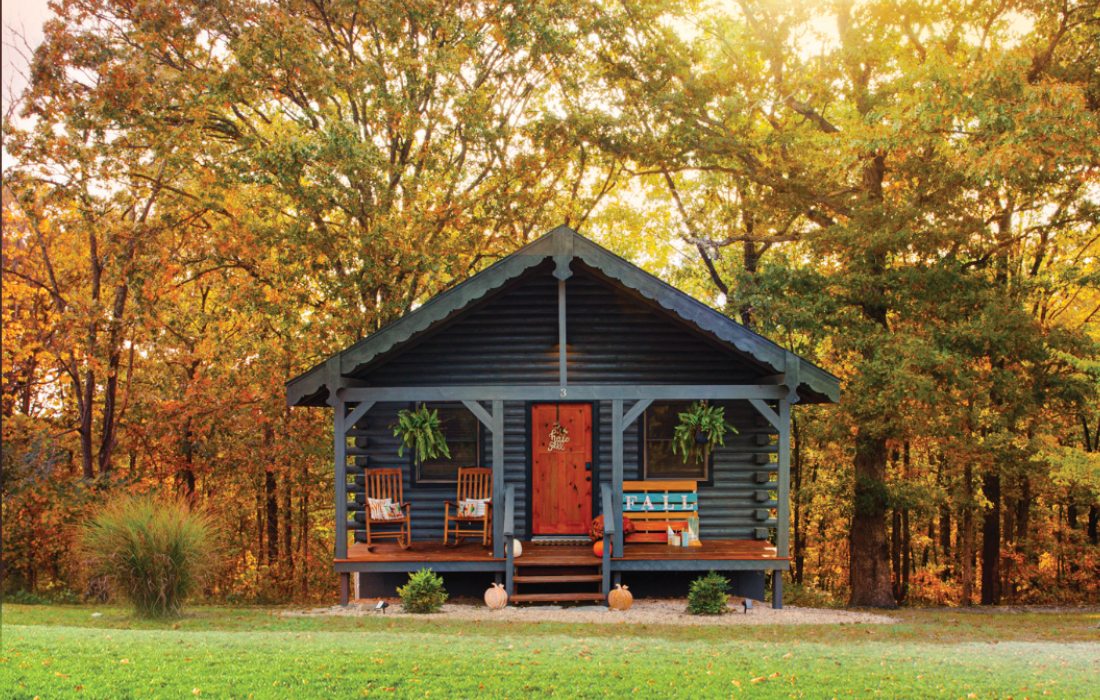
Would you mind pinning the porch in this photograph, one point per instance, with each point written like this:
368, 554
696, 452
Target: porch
717, 555
713, 555
754, 491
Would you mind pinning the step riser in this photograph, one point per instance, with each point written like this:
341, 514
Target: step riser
578, 578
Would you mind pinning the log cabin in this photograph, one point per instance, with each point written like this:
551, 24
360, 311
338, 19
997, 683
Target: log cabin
562, 368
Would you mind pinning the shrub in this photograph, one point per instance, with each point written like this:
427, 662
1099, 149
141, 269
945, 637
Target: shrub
707, 595
806, 596
155, 552
423, 593
22, 597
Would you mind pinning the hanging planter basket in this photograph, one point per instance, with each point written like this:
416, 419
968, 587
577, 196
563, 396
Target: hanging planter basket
701, 427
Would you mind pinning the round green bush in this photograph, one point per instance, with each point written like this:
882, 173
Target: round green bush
155, 552
707, 595
423, 593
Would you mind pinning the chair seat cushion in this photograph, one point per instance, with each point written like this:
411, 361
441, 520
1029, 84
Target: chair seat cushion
472, 507
385, 509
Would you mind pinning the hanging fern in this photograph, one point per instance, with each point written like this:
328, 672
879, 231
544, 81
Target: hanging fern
701, 427
421, 431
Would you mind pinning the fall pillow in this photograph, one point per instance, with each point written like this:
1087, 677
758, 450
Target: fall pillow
472, 507
384, 509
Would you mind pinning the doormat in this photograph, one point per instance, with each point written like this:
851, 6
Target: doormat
569, 540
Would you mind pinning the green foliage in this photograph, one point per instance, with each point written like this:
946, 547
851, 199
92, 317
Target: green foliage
872, 496
701, 420
53, 596
802, 596
421, 431
423, 593
22, 597
708, 594
155, 552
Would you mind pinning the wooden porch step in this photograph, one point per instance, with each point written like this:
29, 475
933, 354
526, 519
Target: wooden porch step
555, 597
560, 578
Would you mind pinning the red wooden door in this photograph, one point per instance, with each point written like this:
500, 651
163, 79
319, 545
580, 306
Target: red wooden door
561, 479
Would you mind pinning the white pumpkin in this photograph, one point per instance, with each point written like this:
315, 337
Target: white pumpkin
517, 549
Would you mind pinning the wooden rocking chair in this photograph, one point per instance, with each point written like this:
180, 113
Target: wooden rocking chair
473, 483
387, 484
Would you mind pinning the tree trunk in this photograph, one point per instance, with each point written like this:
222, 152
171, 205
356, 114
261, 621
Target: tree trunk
869, 554
991, 540
906, 556
272, 515
108, 437
186, 475
966, 538
928, 552
1008, 536
1023, 513
751, 263
945, 521
895, 551
87, 408
1094, 520
288, 517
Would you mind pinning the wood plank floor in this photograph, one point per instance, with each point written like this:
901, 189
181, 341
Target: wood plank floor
533, 553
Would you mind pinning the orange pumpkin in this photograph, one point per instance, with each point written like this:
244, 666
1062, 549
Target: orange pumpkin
620, 598
496, 597
597, 549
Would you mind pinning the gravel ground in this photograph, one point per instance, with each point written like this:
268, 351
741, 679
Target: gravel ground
647, 611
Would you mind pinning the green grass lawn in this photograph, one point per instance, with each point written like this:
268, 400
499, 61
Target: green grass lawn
61, 651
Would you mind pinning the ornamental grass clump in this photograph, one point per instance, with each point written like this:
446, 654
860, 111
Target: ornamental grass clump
423, 593
707, 595
154, 552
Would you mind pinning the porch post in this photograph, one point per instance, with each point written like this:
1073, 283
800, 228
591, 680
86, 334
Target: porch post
498, 477
340, 475
782, 520
617, 472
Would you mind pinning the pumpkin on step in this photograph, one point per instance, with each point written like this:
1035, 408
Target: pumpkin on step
496, 597
620, 598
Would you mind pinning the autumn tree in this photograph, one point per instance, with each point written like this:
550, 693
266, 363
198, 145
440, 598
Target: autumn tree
903, 160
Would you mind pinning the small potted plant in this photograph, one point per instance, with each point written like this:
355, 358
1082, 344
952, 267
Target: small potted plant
421, 431
701, 427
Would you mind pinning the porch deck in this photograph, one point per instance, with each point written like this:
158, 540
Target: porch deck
719, 555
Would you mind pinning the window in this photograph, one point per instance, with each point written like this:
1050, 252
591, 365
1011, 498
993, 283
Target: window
463, 432
658, 459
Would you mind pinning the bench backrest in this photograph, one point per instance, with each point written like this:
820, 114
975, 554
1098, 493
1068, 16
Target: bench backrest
655, 506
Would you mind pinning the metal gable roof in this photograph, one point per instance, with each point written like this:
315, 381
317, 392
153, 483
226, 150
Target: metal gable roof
563, 244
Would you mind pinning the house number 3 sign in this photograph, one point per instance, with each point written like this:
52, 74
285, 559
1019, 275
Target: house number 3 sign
558, 437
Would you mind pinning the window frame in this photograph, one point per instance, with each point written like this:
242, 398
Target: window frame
707, 479
417, 463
